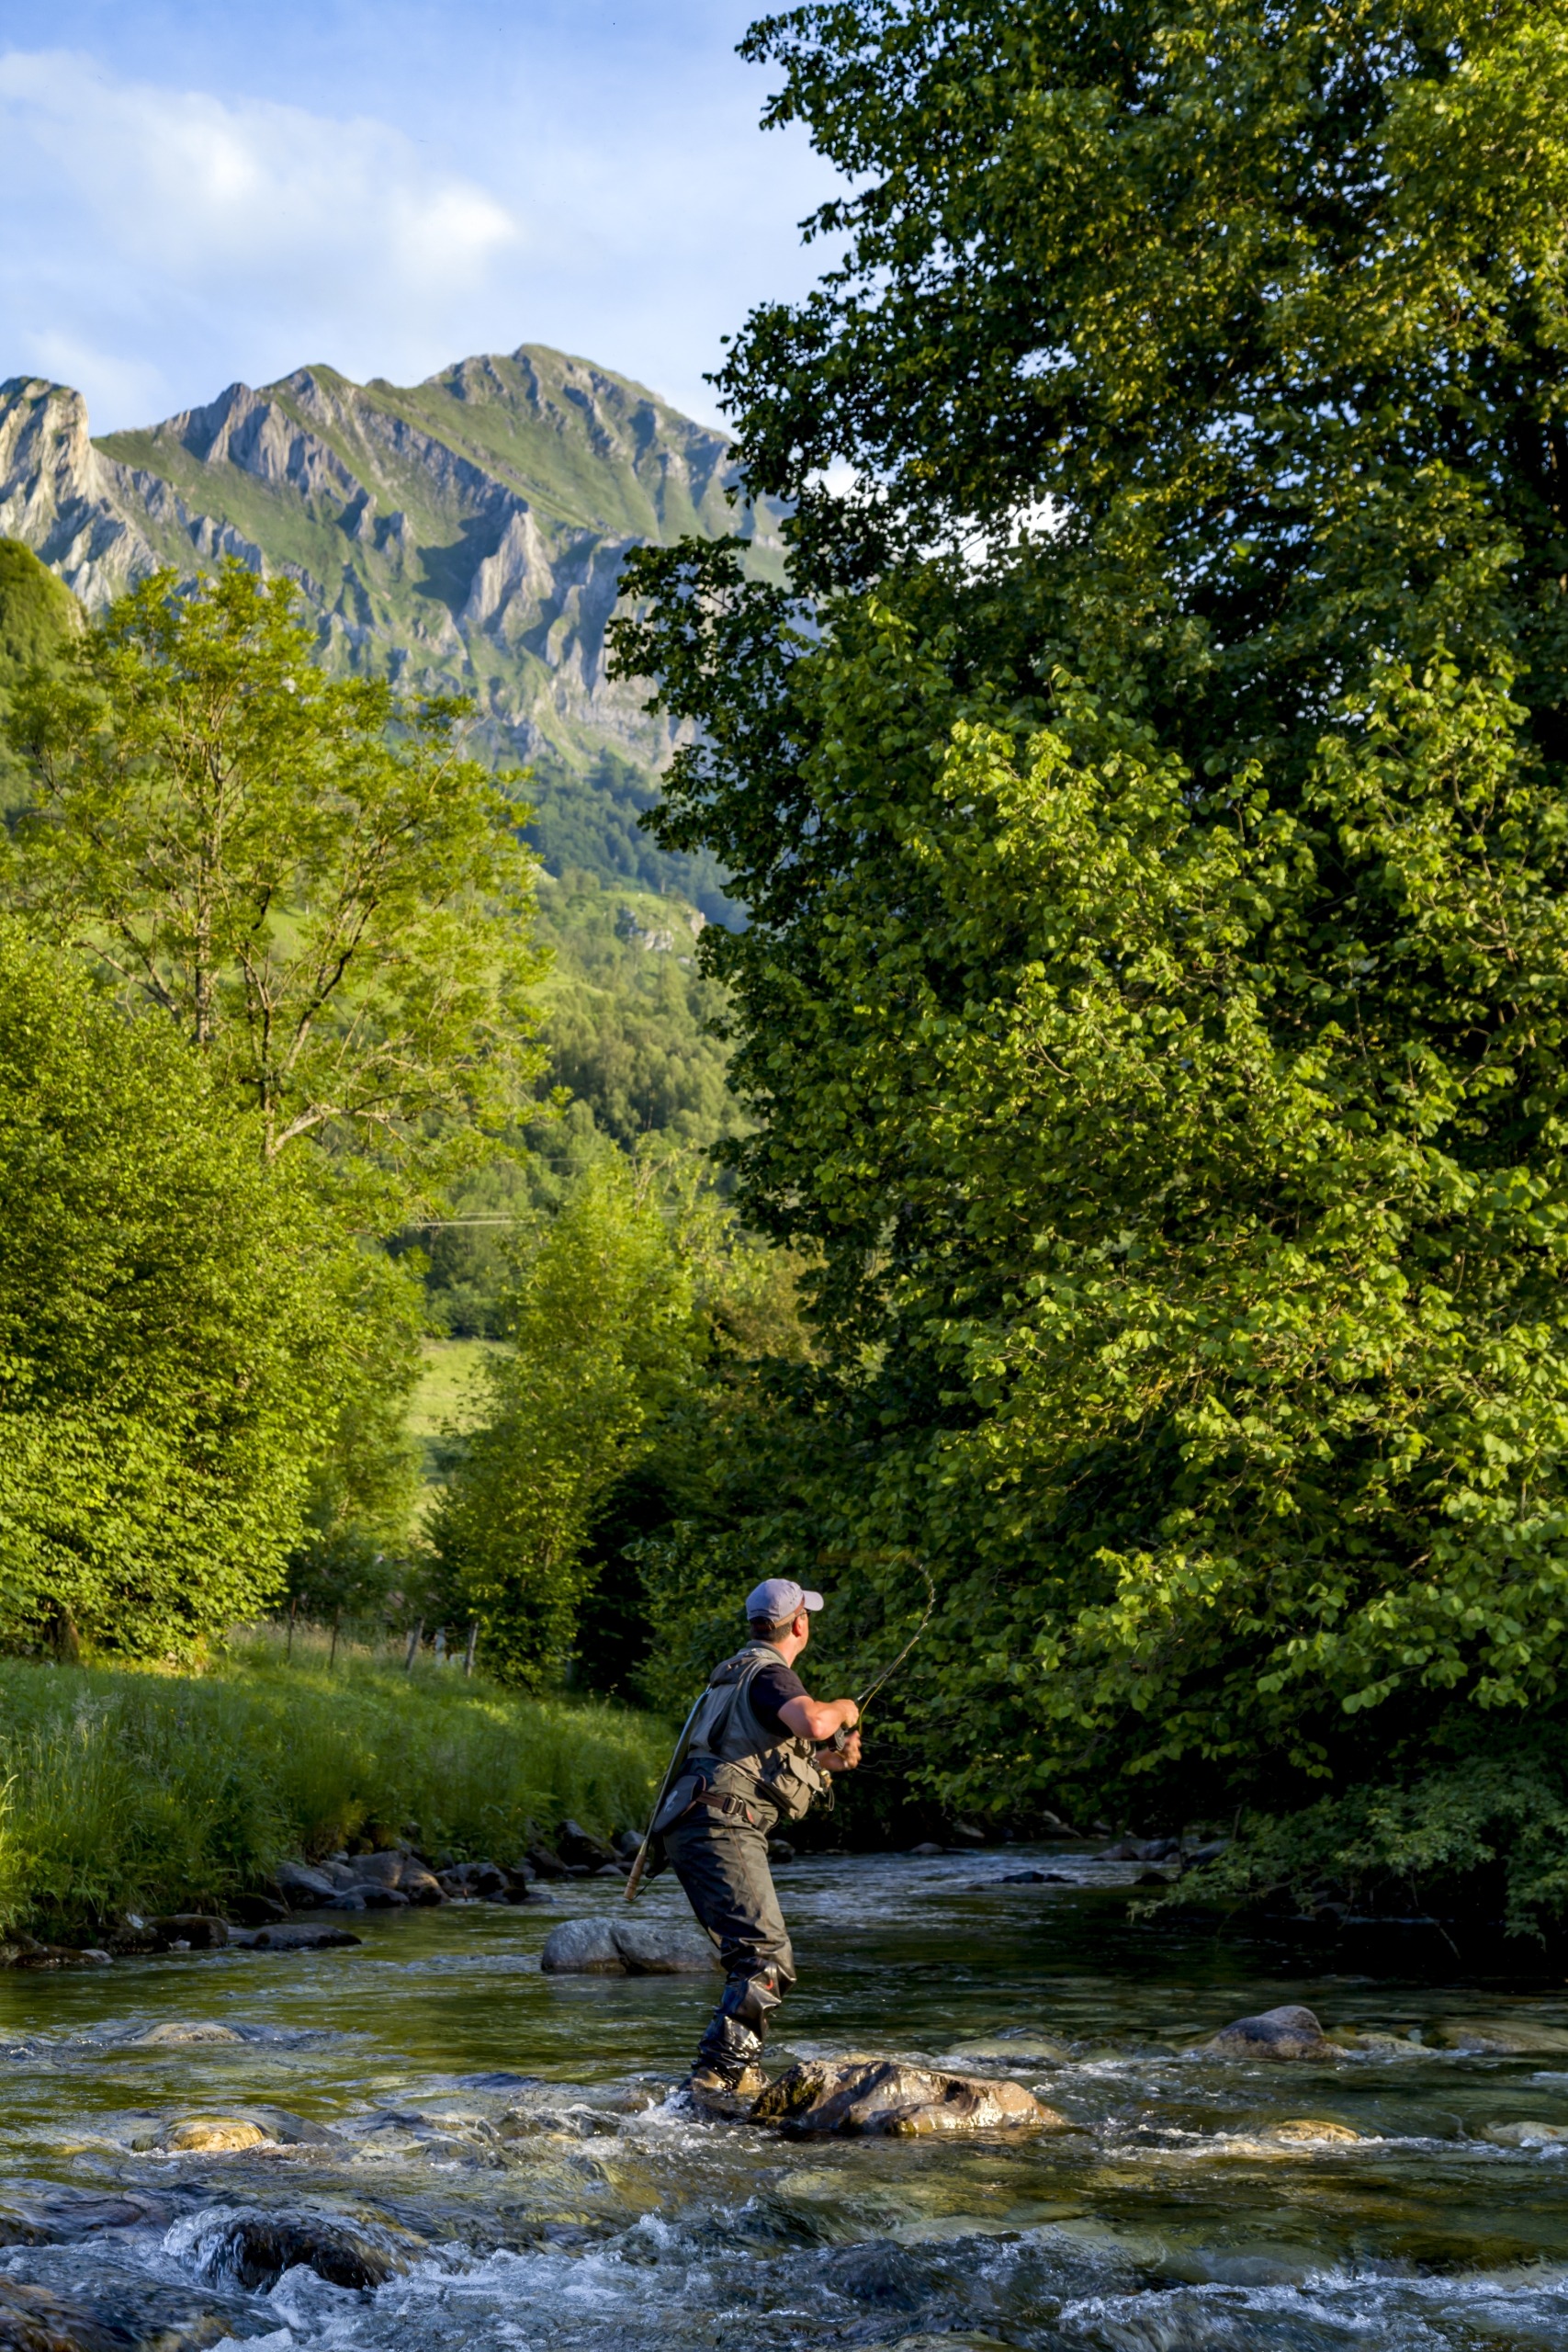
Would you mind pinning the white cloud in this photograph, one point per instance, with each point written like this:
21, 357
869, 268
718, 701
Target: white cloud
179, 179
582, 172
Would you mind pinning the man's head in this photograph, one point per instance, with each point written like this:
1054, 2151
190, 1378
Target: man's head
778, 1611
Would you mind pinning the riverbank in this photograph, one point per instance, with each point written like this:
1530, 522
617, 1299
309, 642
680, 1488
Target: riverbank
124, 1789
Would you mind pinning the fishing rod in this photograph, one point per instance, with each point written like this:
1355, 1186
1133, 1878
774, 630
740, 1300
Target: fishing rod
839, 1740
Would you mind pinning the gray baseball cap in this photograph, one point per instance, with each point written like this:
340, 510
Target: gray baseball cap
780, 1598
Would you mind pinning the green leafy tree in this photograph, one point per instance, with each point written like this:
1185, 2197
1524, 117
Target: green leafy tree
177, 1342
304, 873
39, 619
602, 1329
1152, 1006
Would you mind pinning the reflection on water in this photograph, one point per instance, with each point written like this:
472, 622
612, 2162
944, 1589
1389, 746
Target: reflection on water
507, 2142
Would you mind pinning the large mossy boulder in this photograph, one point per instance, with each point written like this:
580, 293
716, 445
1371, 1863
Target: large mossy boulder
857, 2096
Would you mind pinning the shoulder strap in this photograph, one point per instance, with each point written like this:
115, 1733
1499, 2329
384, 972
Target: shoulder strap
732, 1677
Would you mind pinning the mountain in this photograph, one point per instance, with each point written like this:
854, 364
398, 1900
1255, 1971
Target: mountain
465, 534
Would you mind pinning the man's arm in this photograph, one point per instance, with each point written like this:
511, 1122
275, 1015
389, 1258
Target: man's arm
818, 1719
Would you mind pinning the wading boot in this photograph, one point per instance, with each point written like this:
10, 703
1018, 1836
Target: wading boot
727, 2076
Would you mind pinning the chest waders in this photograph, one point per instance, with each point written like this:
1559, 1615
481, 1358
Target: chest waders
736, 1780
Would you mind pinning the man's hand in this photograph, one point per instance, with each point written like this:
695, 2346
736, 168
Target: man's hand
818, 1718
841, 1759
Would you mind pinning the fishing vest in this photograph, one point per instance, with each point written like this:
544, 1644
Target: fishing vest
729, 1747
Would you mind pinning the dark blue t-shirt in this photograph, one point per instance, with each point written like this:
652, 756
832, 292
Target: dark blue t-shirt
770, 1688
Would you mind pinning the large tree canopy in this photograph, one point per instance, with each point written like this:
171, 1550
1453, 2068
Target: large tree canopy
180, 1327
305, 873
1150, 807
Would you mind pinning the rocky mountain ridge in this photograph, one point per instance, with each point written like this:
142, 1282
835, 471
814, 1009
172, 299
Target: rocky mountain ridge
465, 534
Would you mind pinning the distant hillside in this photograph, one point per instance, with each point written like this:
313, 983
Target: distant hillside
467, 533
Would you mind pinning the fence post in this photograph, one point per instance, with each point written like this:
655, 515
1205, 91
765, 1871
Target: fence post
289, 1645
414, 1647
332, 1653
473, 1645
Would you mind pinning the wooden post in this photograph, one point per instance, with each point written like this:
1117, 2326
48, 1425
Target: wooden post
473, 1645
289, 1645
332, 1653
414, 1647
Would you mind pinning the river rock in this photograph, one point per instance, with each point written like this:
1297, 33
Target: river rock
184, 2033
19, 1950
1526, 2135
1009, 2050
47, 2213
32, 2319
658, 1948
1311, 2130
290, 2130
575, 1844
294, 1938
1500, 2038
482, 1882
1290, 2031
605, 1947
215, 2134
302, 1886
928, 1847
255, 2248
372, 1870
256, 1910
544, 1862
582, 1948
190, 1931
863, 2095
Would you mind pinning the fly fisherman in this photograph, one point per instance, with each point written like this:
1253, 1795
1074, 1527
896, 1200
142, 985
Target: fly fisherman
755, 1752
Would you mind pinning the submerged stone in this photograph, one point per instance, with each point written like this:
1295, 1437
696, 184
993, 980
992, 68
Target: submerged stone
1307, 2131
1009, 2050
184, 2033
32, 2319
211, 2134
861, 2096
1501, 2038
1369, 2042
1290, 2031
47, 2213
1526, 2135
300, 1938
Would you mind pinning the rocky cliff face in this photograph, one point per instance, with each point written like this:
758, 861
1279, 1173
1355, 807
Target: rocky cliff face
465, 534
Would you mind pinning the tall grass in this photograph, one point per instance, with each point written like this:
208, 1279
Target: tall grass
156, 1792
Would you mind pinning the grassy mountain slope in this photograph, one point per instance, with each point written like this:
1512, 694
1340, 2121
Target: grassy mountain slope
464, 533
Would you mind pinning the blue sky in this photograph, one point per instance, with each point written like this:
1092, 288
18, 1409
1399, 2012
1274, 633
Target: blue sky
203, 190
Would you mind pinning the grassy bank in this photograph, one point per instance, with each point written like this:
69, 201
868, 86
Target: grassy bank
160, 1792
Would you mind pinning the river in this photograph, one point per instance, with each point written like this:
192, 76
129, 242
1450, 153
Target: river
512, 2134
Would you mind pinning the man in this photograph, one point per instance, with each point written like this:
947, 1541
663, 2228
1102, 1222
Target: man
756, 1755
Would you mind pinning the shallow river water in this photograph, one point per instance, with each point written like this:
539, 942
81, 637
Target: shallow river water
514, 2135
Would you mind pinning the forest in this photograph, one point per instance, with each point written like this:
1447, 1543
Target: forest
1117, 1160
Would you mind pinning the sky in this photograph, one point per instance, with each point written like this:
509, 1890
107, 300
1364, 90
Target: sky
198, 192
